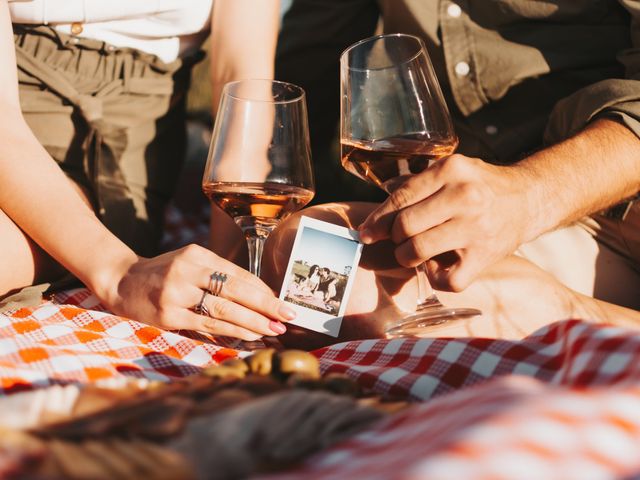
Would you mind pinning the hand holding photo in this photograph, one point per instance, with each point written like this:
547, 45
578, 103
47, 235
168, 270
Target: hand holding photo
320, 273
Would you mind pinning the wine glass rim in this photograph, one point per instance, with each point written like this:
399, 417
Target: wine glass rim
229, 85
421, 50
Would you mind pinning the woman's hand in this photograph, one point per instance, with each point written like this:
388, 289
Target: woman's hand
164, 290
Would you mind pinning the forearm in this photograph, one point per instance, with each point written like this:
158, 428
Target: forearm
243, 41
585, 174
37, 196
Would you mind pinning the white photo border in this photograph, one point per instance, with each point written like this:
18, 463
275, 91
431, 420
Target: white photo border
314, 319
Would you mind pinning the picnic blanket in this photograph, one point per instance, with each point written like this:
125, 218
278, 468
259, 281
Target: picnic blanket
562, 403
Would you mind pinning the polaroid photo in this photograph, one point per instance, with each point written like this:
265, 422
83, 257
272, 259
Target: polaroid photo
320, 274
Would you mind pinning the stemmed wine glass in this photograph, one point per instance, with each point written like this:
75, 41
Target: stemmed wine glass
394, 122
259, 166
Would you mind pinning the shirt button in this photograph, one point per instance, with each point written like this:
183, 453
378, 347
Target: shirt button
76, 28
462, 69
491, 129
454, 10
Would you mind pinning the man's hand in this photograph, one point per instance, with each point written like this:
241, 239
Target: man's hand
461, 204
483, 212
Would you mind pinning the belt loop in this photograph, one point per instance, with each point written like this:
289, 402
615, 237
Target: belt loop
127, 68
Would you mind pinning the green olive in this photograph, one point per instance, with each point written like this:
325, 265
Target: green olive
261, 362
222, 371
237, 364
298, 361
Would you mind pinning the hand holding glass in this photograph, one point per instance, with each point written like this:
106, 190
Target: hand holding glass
394, 122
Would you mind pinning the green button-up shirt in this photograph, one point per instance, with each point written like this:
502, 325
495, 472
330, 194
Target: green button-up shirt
519, 74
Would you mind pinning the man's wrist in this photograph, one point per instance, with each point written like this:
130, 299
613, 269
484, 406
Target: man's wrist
582, 175
541, 212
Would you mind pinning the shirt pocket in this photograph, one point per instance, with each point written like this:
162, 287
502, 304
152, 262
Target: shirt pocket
561, 11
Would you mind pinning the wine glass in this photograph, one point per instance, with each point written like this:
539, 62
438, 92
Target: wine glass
259, 166
394, 123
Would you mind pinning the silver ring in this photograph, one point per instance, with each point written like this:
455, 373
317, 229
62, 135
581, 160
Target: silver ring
216, 282
201, 307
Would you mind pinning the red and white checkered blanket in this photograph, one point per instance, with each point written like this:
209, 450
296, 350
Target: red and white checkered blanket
563, 403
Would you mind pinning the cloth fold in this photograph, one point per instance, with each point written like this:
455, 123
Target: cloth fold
27, 297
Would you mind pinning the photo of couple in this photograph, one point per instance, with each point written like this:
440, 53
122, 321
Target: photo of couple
316, 287
322, 262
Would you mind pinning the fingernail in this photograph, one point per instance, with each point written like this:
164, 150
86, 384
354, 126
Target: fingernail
277, 327
366, 236
287, 312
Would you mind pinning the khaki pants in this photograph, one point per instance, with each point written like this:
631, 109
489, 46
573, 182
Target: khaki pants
598, 256
114, 121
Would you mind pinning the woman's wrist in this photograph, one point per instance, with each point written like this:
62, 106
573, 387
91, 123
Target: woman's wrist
104, 275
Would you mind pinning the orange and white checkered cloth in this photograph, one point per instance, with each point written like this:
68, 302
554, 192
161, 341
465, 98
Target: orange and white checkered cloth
563, 403
78, 342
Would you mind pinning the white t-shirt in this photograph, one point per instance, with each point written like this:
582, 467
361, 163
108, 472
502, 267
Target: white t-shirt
166, 28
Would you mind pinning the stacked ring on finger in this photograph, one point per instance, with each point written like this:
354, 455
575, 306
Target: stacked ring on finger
216, 282
201, 307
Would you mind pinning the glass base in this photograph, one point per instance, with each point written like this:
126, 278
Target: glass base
424, 322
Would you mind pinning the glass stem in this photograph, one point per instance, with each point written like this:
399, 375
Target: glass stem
256, 246
426, 296
256, 232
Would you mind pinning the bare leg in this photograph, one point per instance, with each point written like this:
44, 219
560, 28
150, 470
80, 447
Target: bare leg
515, 296
23, 262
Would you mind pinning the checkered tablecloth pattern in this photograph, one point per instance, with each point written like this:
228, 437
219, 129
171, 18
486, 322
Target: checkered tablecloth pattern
563, 403
569, 353
185, 227
60, 343
512, 427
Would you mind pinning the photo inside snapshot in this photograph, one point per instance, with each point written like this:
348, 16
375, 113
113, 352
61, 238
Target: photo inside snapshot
320, 273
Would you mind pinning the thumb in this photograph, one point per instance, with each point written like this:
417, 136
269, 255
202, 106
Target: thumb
452, 271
